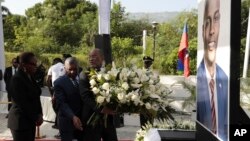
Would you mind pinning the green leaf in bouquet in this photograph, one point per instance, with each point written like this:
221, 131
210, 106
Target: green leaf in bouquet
101, 81
144, 96
108, 67
93, 120
92, 72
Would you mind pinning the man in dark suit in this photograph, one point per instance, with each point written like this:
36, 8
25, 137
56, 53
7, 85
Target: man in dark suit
99, 131
8, 73
26, 110
68, 102
212, 81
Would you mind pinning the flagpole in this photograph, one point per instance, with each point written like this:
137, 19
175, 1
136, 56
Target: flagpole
247, 48
154, 24
144, 45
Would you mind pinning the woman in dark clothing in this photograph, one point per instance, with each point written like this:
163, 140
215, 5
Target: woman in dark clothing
26, 111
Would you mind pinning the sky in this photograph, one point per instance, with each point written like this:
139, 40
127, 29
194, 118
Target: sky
131, 6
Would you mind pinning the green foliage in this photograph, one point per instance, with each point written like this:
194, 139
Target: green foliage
117, 17
122, 48
168, 40
9, 25
245, 4
169, 63
66, 26
53, 27
193, 55
8, 58
245, 93
121, 27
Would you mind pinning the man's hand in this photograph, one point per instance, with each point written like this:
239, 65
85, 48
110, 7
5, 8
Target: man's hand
108, 111
53, 99
77, 123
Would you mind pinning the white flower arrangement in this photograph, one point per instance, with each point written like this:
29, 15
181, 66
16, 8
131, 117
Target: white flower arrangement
165, 124
130, 90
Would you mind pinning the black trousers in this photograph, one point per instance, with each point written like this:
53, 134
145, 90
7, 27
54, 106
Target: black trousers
54, 108
69, 136
9, 100
100, 132
23, 135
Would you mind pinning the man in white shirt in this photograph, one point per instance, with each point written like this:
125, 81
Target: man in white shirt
54, 72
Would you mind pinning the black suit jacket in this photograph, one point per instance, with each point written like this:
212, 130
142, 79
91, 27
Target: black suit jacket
107, 133
26, 105
7, 77
68, 102
89, 103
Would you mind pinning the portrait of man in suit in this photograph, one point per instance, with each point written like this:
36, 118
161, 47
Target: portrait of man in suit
212, 81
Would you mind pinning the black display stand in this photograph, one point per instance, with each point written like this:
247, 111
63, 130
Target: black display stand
177, 135
203, 135
237, 115
103, 42
238, 118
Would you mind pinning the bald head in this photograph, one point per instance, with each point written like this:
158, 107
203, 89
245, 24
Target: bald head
96, 58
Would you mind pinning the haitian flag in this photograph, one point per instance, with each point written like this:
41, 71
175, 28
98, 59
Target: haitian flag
183, 57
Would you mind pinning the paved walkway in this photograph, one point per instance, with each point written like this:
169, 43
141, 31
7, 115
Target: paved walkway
126, 133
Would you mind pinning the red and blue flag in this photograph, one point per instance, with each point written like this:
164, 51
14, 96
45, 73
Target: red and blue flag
183, 56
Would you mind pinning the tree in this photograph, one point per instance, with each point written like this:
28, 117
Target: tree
5, 11
56, 26
10, 23
122, 48
245, 4
117, 16
168, 40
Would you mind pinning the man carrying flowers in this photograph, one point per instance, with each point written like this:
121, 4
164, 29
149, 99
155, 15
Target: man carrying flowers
97, 120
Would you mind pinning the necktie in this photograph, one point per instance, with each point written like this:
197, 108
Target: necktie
211, 84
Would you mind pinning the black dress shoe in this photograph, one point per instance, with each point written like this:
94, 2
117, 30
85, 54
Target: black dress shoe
54, 126
58, 136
